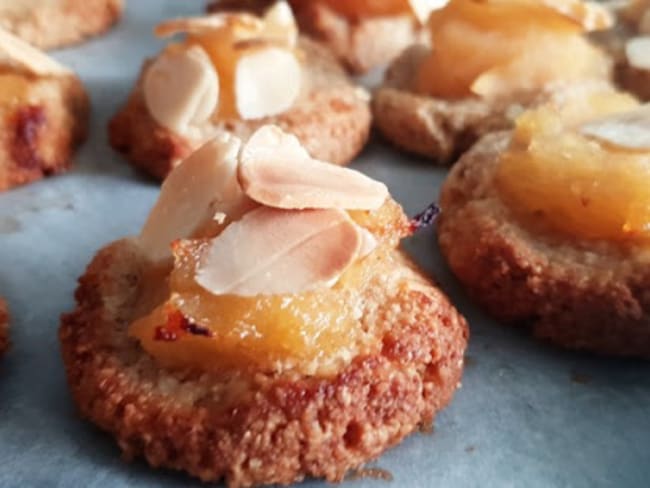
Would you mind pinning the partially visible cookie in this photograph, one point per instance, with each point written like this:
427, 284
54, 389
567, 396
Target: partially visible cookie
43, 114
50, 24
571, 289
4, 327
331, 118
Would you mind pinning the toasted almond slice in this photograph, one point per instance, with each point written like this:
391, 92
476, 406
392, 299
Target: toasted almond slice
423, 8
280, 24
368, 242
267, 82
181, 89
273, 252
17, 52
627, 130
277, 171
194, 192
637, 51
241, 23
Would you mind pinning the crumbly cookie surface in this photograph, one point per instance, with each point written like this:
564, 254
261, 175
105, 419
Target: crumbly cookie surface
579, 294
263, 428
441, 129
40, 132
331, 118
50, 24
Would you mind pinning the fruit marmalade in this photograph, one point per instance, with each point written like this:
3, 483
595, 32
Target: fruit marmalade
314, 331
582, 187
497, 48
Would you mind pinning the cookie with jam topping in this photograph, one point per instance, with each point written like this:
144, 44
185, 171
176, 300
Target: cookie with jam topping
487, 61
548, 226
236, 71
263, 327
362, 34
44, 110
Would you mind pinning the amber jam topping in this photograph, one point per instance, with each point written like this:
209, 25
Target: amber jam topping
503, 47
580, 186
314, 331
369, 8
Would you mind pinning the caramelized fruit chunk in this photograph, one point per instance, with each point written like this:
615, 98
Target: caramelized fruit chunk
577, 185
505, 47
311, 331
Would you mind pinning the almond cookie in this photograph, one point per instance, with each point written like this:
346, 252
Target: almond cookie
548, 226
237, 72
4, 327
487, 62
44, 111
54, 23
362, 34
263, 327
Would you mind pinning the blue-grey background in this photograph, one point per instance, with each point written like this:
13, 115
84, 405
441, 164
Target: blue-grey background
527, 415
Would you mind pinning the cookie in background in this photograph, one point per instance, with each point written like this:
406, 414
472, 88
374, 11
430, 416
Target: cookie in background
363, 34
487, 62
50, 24
235, 72
548, 226
44, 111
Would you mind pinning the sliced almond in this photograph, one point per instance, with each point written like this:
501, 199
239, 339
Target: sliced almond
637, 51
273, 252
277, 171
368, 242
242, 24
194, 192
423, 8
17, 52
280, 24
627, 130
267, 82
181, 89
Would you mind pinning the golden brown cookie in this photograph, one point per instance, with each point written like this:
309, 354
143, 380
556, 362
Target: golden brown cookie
43, 115
50, 24
331, 118
577, 293
360, 44
4, 327
320, 346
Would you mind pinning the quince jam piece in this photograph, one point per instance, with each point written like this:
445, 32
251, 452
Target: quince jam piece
368, 8
314, 331
577, 185
497, 48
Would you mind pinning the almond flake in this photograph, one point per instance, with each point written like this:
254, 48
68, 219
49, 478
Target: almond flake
193, 193
17, 52
267, 82
627, 130
280, 24
637, 51
181, 89
423, 8
245, 25
276, 170
272, 252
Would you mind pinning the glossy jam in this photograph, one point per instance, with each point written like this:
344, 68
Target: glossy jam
369, 8
579, 186
197, 329
515, 46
